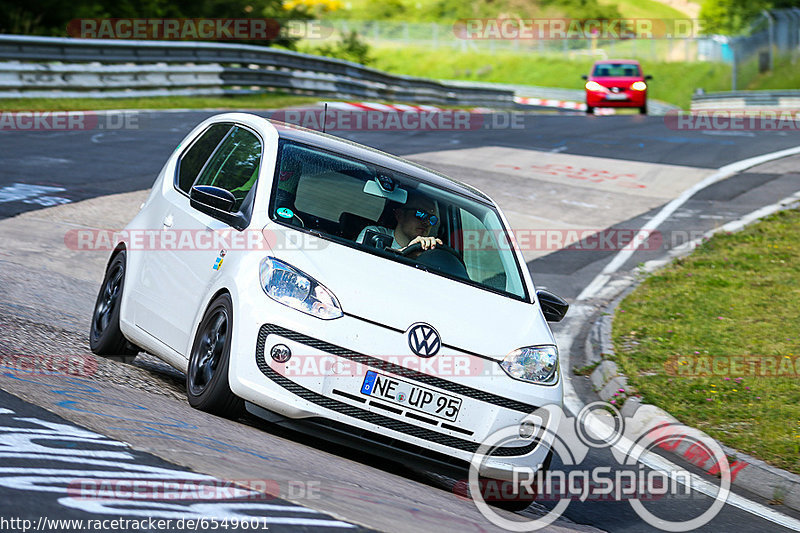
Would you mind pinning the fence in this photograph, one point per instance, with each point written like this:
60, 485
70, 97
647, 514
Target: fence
774, 37
434, 36
59, 67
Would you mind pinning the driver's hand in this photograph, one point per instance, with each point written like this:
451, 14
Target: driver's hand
426, 242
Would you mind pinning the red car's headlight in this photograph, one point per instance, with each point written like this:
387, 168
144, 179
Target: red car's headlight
594, 86
639, 86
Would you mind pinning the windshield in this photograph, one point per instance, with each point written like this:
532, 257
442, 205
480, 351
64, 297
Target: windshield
619, 70
379, 211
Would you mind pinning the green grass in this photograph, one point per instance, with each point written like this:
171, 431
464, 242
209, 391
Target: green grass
673, 82
261, 101
644, 9
736, 295
785, 76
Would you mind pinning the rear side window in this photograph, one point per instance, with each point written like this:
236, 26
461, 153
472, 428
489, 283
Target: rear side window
234, 166
192, 161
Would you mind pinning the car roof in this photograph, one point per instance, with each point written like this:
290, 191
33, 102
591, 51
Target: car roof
617, 61
371, 155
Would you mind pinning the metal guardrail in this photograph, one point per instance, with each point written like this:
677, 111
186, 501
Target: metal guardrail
52, 66
748, 100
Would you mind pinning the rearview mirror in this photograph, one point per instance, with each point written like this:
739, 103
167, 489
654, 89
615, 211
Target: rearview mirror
585, 77
648, 77
553, 307
218, 203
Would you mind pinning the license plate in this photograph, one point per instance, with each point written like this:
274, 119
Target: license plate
411, 396
616, 96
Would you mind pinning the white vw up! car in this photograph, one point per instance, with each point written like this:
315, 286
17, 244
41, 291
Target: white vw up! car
271, 264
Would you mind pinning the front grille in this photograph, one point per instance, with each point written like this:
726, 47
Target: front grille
362, 414
379, 364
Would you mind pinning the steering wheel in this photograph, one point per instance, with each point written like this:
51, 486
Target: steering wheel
442, 258
416, 247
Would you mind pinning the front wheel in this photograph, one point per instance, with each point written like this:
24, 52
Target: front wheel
207, 378
589, 110
105, 337
643, 110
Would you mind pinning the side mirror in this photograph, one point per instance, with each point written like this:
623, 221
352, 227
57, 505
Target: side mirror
208, 195
648, 77
218, 203
553, 307
585, 77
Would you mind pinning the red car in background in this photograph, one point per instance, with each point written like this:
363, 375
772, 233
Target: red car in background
616, 83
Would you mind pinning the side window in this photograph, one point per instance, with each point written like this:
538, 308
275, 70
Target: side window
235, 165
192, 161
481, 252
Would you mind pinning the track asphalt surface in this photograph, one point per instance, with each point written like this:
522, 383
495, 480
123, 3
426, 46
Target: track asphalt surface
40, 169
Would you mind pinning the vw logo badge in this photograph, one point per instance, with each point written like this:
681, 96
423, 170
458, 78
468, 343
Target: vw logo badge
424, 340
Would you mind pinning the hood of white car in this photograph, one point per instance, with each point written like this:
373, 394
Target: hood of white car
397, 295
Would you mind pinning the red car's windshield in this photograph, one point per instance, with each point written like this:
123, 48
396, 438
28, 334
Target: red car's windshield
604, 70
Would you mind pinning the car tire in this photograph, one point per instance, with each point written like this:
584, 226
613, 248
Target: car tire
589, 110
207, 385
643, 110
105, 337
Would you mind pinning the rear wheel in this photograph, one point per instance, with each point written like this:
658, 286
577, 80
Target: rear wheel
105, 336
207, 378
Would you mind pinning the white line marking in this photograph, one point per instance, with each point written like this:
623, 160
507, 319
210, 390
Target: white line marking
656, 462
580, 311
623, 255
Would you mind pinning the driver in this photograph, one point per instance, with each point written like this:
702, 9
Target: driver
414, 221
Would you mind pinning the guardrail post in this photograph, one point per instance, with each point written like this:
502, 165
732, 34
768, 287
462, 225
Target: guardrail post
771, 33
796, 31
734, 66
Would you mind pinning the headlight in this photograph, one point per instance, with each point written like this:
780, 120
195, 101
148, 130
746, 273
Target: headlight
594, 86
536, 364
289, 286
639, 86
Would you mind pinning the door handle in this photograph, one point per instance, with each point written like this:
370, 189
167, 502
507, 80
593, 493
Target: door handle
168, 221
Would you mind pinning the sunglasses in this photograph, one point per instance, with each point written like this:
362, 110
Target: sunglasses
423, 216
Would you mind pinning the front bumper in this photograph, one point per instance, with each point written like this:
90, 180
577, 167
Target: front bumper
325, 389
601, 99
